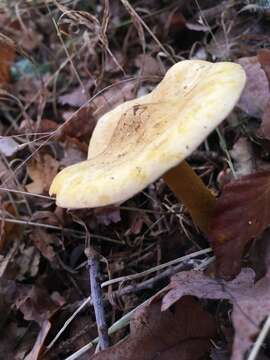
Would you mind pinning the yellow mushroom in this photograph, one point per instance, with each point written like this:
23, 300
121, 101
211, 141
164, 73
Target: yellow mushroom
149, 137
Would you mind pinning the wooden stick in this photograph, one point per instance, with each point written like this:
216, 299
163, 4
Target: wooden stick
96, 294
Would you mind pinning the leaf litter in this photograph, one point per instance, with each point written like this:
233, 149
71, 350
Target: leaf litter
65, 64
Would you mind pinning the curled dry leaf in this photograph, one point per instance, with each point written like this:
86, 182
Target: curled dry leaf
42, 170
7, 55
251, 303
256, 92
182, 332
37, 305
242, 213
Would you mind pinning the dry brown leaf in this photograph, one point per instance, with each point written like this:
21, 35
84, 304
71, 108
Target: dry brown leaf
256, 92
37, 305
73, 152
44, 241
264, 59
182, 332
7, 55
251, 303
148, 65
42, 170
79, 125
112, 97
38, 346
242, 212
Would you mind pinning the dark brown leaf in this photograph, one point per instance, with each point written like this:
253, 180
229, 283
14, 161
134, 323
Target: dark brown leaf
7, 55
242, 213
42, 170
264, 59
80, 124
251, 303
37, 305
182, 332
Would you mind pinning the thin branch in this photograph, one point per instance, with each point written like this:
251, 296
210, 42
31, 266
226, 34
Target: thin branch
97, 299
156, 268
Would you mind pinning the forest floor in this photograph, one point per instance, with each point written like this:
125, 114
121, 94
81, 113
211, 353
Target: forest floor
63, 64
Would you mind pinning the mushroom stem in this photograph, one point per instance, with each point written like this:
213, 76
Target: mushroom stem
189, 188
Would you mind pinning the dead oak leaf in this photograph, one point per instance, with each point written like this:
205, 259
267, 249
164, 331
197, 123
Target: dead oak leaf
242, 212
42, 170
182, 332
251, 303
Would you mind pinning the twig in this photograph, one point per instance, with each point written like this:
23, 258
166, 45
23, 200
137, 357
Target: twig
119, 324
255, 350
156, 268
124, 321
96, 293
150, 283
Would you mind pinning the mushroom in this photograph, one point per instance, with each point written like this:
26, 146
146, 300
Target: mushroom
149, 137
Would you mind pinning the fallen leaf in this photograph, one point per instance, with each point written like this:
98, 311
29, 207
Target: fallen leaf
8, 146
256, 92
42, 170
107, 215
7, 55
264, 59
182, 332
148, 65
77, 97
73, 152
242, 155
79, 124
251, 303
112, 97
43, 241
242, 213
38, 346
37, 305
264, 130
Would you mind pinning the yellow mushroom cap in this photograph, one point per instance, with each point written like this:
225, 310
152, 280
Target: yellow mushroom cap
139, 140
